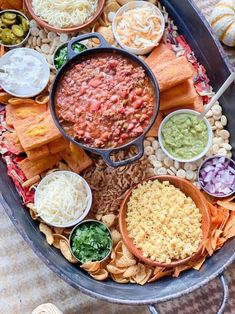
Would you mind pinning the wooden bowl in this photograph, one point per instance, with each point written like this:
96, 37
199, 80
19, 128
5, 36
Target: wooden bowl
74, 29
189, 190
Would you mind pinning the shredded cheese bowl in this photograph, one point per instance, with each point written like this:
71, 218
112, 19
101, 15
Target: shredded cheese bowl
62, 199
138, 26
164, 221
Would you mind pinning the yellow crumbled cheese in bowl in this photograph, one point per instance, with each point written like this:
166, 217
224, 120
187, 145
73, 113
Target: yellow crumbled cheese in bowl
163, 222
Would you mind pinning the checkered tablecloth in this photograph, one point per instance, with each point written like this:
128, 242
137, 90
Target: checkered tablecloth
25, 282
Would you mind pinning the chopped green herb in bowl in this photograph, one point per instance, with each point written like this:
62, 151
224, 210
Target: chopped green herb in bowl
90, 241
61, 53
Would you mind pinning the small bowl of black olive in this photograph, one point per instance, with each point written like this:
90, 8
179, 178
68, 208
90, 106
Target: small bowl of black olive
14, 28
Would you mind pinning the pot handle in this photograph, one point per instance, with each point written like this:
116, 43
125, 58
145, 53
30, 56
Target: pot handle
224, 286
139, 144
71, 53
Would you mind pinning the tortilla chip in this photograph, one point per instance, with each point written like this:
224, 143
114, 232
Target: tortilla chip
4, 97
32, 168
36, 131
13, 143
179, 269
198, 264
227, 204
160, 274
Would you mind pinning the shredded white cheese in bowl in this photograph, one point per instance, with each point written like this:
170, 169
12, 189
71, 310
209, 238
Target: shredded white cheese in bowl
65, 13
62, 199
138, 27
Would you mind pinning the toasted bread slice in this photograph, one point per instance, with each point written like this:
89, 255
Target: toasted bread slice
154, 129
36, 131
76, 158
197, 105
173, 73
58, 145
23, 111
32, 168
180, 95
38, 153
160, 55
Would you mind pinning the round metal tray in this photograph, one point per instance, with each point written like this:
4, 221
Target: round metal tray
189, 21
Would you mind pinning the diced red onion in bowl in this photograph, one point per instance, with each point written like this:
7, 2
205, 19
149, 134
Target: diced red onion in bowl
217, 176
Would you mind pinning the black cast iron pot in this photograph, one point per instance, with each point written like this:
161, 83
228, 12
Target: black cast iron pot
73, 59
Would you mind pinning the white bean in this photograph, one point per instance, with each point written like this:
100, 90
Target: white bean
190, 175
176, 164
51, 35
218, 124
217, 132
155, 144
149, 150
224, 134
209, 114
229, 154
64, 38
46, 41
30, 40
38, 49
173, 169
39, 41
170, 172
222, 151
52, 49
213, 128
33, 23
34, 31
146, 143
224, 120
42, 34
227, 146
45, 48
216, 109
181, 173
217, 116
56, 41
215, 148
168, 162
217, 140
161, 171
34, 41
152, 158
211, 121
157, 164
151, 139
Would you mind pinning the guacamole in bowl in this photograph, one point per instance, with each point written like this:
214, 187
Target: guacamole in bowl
184, 137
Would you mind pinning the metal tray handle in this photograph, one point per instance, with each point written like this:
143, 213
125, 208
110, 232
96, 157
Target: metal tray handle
224, 286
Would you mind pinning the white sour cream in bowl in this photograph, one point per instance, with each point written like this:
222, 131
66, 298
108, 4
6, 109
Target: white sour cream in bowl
24, 72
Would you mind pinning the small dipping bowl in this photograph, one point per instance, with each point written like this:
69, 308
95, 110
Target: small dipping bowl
85, 210
132, 5
30, 91
87, 222
205, 170
27, 34
192, 112
61, 47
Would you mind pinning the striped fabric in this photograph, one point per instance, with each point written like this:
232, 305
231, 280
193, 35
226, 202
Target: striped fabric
25, 282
